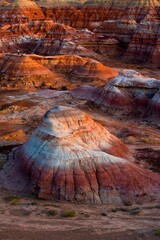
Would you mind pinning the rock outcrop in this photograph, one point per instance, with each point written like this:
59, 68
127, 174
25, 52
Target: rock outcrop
156, 53
144, 46
138, 19
79, 69
20, 11
129, 94
70, 157
22, 71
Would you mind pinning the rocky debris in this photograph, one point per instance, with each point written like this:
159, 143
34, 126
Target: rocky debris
149, 157
70, 157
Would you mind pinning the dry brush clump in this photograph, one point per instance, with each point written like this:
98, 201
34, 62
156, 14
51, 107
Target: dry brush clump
69, 213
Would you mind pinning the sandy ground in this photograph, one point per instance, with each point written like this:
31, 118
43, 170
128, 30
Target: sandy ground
26, 218
78, 235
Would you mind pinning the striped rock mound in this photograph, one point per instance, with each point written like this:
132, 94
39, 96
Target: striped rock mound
129, 94
70, 157
23, 72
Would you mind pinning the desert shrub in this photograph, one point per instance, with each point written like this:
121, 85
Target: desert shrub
157, 232
135, 211
33, 203
13, 200
52, 205
63, 88
68, 213
51, 212
127, 203
103, 214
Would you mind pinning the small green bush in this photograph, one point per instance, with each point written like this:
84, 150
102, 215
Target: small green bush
13, 200
68, 213
103, 214
127, 203
51, 213
135, 211
33, 203
51, 205
157, 232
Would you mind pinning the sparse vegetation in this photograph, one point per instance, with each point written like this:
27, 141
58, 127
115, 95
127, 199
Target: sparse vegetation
85, 214
157, 232
25, 212
51, 205
13, 200
51, 213
34, 203
63, 88
68, 213
135, 211
127, 203
120, 209
103, 214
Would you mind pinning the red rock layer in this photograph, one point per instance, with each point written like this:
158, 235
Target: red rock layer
20, 11
134, 23
156, 54
144, 45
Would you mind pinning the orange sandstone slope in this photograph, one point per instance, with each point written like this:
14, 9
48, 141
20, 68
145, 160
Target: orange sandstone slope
19, 11
33, 71
78, 68
22, 72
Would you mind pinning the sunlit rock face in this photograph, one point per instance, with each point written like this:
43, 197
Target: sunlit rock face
70, 157
129, 94
20, 11
22, 71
